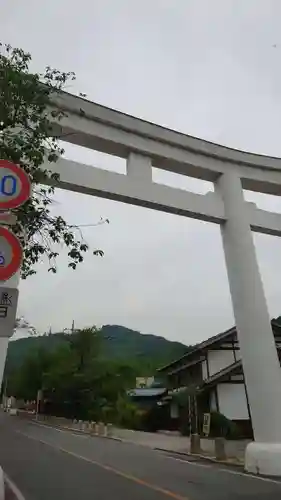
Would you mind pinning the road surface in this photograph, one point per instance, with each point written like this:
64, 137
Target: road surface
51, 464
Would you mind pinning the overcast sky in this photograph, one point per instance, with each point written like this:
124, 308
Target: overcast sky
209, 68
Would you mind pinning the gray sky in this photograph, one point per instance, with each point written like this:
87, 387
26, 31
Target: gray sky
209, 68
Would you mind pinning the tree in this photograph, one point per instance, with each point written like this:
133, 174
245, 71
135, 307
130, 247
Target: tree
85, 344
26, 139
76, 380
25, 382
22, 323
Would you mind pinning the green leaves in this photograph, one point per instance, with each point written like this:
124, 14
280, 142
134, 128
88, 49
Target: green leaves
24, 139
73, 372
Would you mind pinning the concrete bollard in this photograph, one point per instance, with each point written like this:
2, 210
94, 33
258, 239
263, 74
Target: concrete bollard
75, 423
101, 429
93, 429
109, 430
195, 445
220, 453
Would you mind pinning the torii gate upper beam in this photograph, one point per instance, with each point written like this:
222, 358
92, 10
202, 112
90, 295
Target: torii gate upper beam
103, 129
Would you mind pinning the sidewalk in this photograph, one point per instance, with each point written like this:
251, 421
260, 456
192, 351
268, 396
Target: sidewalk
154, 440
180, 444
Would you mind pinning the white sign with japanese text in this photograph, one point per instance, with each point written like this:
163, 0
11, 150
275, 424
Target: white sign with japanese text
8, 309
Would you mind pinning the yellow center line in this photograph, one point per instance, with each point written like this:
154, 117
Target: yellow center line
108, 468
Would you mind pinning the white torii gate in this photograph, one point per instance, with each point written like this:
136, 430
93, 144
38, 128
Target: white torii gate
145, 145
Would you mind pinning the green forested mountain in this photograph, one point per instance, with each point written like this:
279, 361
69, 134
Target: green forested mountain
117, 342
124, 343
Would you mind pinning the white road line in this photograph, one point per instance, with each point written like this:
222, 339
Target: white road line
39, 424
64, 431
228, 471
18, 494
206, 466
251, 476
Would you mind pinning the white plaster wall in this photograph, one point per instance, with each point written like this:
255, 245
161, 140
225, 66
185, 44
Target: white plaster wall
219, 360
204, 370
232, 401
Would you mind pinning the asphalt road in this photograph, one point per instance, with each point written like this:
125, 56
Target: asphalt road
49, 464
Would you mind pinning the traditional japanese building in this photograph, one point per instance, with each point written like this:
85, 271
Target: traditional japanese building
211, 376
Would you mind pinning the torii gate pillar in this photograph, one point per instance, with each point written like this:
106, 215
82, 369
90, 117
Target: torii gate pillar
260, 360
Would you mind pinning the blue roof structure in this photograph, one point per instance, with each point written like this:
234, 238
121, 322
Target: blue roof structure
147, 392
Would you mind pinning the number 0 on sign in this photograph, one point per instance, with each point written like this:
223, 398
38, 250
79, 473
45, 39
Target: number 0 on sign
14, 185
10, 254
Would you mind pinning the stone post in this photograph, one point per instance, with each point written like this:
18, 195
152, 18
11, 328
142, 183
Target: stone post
195, 445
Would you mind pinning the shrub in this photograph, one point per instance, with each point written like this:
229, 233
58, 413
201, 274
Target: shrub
151, 421
221, 426
126, 413
185, 428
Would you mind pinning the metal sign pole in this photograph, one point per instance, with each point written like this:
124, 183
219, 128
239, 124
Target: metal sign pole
14, 191
8, 308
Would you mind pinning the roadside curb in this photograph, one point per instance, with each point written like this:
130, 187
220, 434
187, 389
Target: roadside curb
74, 431
203, 457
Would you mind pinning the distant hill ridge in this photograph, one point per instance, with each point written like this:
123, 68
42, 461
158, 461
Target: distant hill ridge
118, 342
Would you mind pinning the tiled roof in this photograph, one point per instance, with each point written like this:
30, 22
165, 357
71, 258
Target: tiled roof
212, 340
187, 365
202, 345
